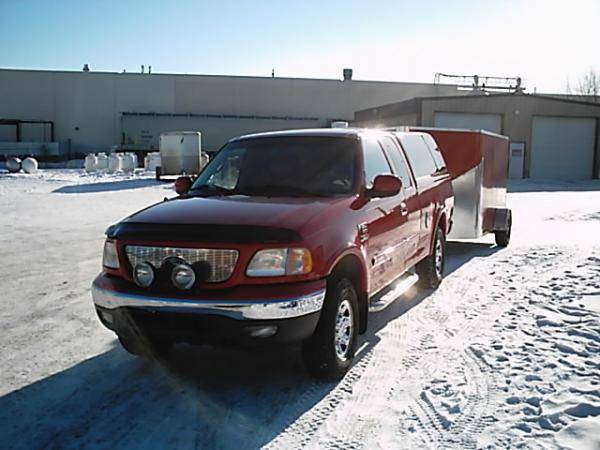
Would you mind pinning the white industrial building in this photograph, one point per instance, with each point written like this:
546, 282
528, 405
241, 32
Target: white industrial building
550, 137
65, 114
94, 111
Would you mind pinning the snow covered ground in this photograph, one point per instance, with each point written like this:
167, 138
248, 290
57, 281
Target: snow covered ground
505, 354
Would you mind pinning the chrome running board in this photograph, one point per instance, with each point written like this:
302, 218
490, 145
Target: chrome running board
398, 288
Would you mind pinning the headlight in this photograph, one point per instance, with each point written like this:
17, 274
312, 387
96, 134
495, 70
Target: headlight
143, 274
183, 276
275, 262
110, 258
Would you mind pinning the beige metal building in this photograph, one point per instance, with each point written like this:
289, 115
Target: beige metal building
550, 137
93, 111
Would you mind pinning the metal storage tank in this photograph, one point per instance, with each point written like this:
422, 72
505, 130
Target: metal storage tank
180, 151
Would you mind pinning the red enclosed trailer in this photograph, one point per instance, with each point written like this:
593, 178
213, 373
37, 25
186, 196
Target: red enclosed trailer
477, 161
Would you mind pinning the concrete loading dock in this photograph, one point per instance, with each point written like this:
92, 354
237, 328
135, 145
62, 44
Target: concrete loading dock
550, 137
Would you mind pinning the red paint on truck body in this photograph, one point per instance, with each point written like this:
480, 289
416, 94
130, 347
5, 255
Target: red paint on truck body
384, 236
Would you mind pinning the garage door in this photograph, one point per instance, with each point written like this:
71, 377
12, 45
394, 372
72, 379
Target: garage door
562, 148
489, 122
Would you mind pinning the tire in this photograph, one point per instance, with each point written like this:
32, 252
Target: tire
431, 269
503, 236
329, 352
144, 347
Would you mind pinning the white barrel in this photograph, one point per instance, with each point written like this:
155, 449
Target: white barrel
127, 162
135, 160
204, 158
90, 163
13, 164
152, 161
30, 165
114, 162
102, 161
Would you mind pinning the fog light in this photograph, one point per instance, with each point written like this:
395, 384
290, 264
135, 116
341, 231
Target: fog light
262, 332
183, 276
143, 274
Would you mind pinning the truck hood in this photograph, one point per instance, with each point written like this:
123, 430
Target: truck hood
278, 212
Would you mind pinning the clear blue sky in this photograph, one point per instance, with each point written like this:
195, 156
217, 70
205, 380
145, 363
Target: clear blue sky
543, 41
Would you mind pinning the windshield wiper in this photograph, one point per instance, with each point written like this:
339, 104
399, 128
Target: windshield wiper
210, 189
271, 190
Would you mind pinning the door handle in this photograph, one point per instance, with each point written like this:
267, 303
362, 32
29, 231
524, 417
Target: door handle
403, 209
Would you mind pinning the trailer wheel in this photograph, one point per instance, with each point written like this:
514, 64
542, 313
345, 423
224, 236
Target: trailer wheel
329, 352
503, 236
431, 269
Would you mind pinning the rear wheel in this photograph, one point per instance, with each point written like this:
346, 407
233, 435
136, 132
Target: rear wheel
431, 269
503, 236
329, 352
144, 347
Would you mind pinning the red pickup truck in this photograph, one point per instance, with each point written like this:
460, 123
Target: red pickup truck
284, 236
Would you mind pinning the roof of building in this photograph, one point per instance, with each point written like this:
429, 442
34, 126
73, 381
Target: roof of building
413, 105
222, 76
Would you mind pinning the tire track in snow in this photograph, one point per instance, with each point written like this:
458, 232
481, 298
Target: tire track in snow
350, 422
299, 433
482, 382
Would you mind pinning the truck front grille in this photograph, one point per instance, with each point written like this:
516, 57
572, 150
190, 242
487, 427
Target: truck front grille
221, 262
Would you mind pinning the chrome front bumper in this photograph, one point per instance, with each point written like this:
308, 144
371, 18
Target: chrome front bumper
236, 309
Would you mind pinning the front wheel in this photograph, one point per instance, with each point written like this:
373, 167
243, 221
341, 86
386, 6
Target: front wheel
329, 352
431, 269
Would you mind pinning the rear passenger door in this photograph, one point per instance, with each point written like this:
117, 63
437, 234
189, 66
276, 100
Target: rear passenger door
425, 172
409, 207
381, 218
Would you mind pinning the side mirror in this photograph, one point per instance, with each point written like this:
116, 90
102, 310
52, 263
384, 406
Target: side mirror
385, 186
182, 185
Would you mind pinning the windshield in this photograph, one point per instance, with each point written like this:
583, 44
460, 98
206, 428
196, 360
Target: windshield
282, 166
